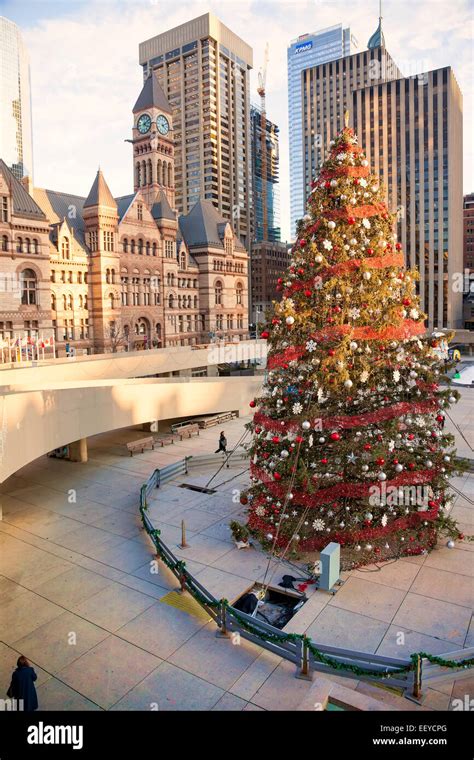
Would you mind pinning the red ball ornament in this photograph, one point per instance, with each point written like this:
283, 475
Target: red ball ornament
367, 447
324, 461
331, 352
307, 293
380, 460
299, 439
277, 476
406, 302
439, 418
411, 465
327, 185
432, 504
265, 334
243, 499
398, 246
370, 251
258, 430
252, 404
275, 439
411, 437
275, 321
351, 220
334, 436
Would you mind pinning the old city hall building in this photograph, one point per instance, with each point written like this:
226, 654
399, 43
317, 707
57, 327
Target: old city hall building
105, 274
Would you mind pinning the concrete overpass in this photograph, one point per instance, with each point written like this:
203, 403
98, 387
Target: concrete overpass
61, 402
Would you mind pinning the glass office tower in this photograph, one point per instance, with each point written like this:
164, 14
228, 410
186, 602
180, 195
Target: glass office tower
265, 189
303, 52
16, 140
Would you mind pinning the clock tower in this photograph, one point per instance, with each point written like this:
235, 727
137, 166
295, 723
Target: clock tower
153, 149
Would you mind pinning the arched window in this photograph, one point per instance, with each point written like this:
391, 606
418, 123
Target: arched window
81, 302
170, 176
132, 246
79, 278
107, 276
19, 245
111, 300
218, 293
35, 246
158, 331
112, 275
159, 177
164, 175
65, 248
239, 291
137, 174
154, 249
28, 287
70, 303
171, 301
4, 243
125, 245
195, 302
180, 302
85, 278
147, 248
183, 260
28, 245
53, 302
64, 303
140, 246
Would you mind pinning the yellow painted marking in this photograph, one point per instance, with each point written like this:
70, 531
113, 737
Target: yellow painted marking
186, 603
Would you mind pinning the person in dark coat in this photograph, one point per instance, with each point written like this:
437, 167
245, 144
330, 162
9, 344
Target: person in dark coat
22, 686
222, 443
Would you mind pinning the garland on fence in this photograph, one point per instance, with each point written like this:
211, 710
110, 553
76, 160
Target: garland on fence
180, 568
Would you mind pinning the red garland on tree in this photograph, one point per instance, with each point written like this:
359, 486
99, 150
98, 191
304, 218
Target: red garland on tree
347, 444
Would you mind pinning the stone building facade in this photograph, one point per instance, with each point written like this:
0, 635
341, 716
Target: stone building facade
109, 274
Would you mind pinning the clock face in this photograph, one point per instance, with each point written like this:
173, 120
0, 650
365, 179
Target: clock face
144, 124
162, 125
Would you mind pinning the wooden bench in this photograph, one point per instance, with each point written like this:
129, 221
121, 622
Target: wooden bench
177, 426
218, 419
186, 431
165, 440
141, 445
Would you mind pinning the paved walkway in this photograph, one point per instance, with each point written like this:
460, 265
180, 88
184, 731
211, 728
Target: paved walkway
81, 598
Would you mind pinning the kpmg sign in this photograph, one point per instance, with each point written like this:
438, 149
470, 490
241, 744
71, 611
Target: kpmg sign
303, 47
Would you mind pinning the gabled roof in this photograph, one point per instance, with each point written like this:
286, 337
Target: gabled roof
123, 204
99, 194
161, 208
205, 226
377, 39
152, 96
23, 203
58, 206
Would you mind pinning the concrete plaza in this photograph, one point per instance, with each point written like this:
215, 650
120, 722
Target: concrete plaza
79, 595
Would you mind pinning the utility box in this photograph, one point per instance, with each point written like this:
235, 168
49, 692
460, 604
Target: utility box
330, 559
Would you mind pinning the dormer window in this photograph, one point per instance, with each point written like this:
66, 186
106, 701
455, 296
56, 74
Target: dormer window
4, 209
228, 244
140, 212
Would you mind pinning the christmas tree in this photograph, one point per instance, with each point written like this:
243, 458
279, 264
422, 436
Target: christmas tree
347, 442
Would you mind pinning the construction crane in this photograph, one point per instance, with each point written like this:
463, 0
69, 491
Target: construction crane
262, 78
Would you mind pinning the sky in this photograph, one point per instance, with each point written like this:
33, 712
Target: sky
85, 74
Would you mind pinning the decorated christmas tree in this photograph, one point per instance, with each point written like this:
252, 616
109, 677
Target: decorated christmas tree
348, 442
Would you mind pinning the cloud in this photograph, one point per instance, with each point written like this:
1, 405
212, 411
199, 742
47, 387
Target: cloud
86, 77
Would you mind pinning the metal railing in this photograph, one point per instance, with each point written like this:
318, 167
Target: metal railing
405, 674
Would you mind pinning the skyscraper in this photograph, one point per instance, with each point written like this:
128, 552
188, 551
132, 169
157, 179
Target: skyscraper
265, 189
16, 141
303, 52
203, 68
411, 132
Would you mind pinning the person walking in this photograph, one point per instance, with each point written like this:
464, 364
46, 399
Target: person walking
22, 686
222, 444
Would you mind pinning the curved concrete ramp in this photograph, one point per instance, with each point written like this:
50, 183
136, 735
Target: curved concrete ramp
35, 419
